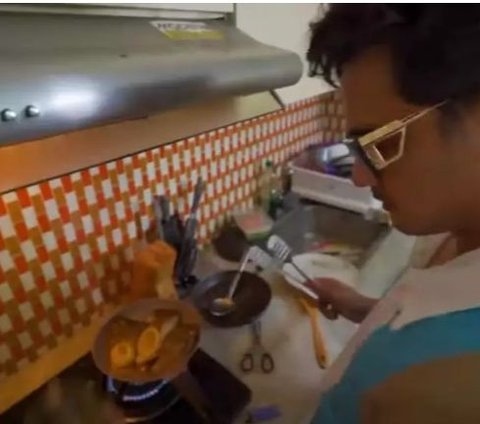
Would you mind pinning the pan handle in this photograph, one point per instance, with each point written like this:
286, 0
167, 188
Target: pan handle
190, 390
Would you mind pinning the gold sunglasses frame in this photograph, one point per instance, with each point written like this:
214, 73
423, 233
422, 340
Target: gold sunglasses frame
368, 142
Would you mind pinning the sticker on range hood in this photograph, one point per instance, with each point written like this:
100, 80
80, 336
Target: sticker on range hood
183, 30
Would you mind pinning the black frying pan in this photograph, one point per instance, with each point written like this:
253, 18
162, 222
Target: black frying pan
251, 298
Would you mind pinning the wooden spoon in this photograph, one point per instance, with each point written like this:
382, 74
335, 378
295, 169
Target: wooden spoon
318, 339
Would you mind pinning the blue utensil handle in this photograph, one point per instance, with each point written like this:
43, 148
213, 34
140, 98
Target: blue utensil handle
267, 363
246, 364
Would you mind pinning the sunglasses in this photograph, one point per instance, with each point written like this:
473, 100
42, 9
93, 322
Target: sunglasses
385, 145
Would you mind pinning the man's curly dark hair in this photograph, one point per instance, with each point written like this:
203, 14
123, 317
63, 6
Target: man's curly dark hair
435, 48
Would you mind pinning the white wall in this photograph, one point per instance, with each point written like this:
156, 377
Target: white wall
285, 26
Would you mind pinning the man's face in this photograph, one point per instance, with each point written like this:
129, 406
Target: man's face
429, 190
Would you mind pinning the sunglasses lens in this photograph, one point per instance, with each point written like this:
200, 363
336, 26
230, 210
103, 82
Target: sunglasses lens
357, 152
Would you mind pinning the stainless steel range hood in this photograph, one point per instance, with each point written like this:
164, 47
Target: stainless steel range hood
62, 73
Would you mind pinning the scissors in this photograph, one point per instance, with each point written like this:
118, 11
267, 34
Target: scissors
257, 357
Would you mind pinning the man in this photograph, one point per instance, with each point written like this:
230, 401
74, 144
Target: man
410, 79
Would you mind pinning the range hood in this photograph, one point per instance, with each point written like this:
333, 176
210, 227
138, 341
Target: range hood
63, 73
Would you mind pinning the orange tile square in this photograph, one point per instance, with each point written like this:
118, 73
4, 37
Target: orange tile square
24, 198
22, 231
67, 183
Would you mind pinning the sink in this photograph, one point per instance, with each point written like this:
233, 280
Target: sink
307, 226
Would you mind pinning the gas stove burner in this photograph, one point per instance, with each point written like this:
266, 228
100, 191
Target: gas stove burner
142, 402
129, 392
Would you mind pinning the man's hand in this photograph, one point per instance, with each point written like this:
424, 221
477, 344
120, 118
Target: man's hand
336, 298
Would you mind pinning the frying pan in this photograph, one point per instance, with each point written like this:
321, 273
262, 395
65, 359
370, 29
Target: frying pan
251, 298
177, 371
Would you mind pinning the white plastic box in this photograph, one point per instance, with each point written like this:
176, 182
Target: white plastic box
310, 182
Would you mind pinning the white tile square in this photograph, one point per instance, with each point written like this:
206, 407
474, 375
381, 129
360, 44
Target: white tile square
163, 166
204, 172
26, 311
227, 144
49, 241
48, 271
243, 174
30, 217
97, 296
117, 237
87, 224
28, 250
107, 189
104, 217
10, 197
25, 340
90, 196
45, 328
69, 231
218, 146
151, 171
213, 169
67, 261
6, 226
210, 189
120, 210
6, 261
187, 158
72, 203
5, 324
65, 289
219, 186
137, 177
82, 280
76, 176
102, 244
122, 183
5, 354
224, 202
34, 190
51, 209
176, 162
172, 186
239, 158
27, 280
85, 253
208, 151
95, 170
55, 183
81, 306
198, 154
147, 196
235, 140
145, 221
131, 230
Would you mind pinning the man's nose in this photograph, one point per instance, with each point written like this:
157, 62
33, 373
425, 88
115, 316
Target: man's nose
362, 175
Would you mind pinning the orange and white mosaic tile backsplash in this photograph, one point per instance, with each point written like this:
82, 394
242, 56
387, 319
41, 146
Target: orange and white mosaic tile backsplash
66, 244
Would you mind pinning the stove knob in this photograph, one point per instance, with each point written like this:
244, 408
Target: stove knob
32, 111
8, 115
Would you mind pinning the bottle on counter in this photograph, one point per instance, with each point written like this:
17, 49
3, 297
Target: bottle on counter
269, 193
